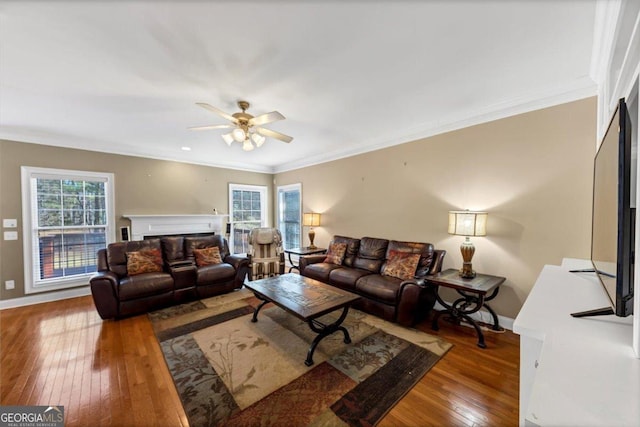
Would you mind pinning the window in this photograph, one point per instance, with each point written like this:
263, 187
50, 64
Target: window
289, 213
67, 217
248, 210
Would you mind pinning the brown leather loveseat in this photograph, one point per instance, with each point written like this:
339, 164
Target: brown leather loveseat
387, 274
139, 276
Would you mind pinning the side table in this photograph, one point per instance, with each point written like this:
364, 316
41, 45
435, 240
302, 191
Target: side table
474, 297
300, 252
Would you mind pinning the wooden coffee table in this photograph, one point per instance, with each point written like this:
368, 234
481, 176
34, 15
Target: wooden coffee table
306, 299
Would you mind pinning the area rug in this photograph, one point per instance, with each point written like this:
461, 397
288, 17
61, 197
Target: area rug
230, 371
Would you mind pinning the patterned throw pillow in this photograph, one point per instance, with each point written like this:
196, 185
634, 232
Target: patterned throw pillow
144, 261
402, 265
207, 256
336, 252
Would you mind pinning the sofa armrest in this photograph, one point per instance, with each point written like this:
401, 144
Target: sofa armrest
237, 261
305, 260
416, 298
242, 267
104, 290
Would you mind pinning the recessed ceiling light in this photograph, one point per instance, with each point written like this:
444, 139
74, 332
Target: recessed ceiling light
186, 148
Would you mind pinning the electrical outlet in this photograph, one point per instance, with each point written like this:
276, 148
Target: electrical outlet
9, 284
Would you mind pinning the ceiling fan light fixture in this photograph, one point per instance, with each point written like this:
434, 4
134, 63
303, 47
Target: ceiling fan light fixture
239, 135
247, 145
228, 138
258, 139
244, 127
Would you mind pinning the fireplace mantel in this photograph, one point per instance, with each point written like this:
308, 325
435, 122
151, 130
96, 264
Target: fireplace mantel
159, 225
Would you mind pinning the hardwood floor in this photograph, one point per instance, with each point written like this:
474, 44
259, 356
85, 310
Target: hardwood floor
112, 373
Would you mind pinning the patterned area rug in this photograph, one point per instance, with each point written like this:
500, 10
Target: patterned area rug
230, 371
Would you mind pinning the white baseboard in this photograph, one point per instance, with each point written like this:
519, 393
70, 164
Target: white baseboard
483, 316
46, 297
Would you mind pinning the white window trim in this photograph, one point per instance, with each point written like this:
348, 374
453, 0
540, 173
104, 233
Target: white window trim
284, 188
264, 193
28, 216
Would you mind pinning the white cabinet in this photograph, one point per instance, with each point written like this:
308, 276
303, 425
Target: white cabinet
575, 371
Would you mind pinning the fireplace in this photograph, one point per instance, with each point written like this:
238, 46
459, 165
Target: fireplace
162, 225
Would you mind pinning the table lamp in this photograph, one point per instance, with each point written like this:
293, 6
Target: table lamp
311, 219
467, 223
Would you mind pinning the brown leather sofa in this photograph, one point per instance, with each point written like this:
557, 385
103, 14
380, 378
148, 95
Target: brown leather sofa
118, 294
364, 271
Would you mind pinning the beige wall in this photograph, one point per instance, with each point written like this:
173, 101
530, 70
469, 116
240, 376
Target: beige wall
142, 186
531, 172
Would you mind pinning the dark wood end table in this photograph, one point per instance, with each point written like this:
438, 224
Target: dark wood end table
300, 252
474, 297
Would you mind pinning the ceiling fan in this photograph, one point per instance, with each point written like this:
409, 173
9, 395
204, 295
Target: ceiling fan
245, 127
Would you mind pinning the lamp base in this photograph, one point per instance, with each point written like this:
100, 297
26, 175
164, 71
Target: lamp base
467, 249
312, 235
466, 272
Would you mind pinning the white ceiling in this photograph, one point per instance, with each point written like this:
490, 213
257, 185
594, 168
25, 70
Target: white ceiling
349, 76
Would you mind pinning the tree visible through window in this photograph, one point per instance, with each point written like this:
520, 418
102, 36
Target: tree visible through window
248, 211
289, 208
70, 222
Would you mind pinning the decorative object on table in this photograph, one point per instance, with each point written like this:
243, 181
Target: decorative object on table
311, 219
230, 371
467, 223
246, 128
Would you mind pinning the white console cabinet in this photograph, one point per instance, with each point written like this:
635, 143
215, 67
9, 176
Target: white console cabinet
575, 371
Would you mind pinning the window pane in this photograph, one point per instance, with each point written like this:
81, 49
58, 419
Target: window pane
49, 218
48, 186
96, 188
72, 187
65, 253
96, 217
48, 201
246, 214
73, 202
63, 203
289, 216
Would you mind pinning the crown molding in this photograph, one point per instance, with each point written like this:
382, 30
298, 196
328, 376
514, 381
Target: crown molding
572, 91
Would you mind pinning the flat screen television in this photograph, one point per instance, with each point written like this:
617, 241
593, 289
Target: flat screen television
613, 216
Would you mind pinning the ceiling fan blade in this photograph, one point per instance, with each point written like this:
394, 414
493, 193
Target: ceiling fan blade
263, 119
273, 134
211, 127
217, 111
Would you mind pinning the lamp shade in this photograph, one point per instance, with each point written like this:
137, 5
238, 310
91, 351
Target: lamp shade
311, 219
468, 223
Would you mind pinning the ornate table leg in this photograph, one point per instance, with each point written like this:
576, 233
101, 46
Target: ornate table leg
496, 324
325, 330
460, 310
254, 319
292, 264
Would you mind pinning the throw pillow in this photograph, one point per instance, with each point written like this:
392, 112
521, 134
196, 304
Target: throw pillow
144, 261
336, 252
402, 265
207, 256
